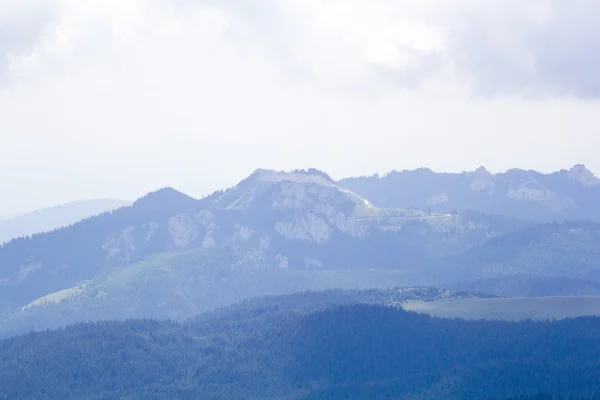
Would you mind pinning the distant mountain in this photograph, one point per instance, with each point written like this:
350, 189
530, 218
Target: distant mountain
572, 194
52, 218
4, 217
333, 345
271, 221
44, 263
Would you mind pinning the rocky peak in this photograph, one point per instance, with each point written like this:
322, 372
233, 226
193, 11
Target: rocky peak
482, 180
297, 175
579, 173
301, 204
295, 189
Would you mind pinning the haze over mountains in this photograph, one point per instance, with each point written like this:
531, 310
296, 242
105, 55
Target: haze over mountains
4, 217
51, 218
221, 281
169, 255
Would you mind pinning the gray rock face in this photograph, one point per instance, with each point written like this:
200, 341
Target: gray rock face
580, 174
297, 190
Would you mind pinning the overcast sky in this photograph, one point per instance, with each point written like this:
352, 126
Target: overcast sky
115, 98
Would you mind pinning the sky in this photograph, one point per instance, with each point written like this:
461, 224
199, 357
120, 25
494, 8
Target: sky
116, 98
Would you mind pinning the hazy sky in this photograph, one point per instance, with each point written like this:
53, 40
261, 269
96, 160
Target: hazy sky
114, 98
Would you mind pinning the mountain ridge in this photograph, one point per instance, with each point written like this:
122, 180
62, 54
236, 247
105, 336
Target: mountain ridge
525, 194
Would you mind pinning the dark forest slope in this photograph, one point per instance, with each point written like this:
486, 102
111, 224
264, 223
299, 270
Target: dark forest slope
268, 349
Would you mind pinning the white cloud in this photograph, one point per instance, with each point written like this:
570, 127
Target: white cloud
335, 43
118, 97
535, 49
541, 47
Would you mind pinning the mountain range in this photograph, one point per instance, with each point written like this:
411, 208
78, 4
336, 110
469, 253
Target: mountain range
525, 194
169, 255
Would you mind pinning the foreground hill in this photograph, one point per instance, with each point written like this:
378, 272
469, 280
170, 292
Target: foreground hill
302, 347
572, 194
49, 219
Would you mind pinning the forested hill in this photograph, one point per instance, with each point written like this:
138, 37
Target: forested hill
40, 264
272, 351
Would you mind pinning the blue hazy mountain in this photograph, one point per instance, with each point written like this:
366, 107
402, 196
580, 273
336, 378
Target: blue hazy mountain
524, 194
51, 218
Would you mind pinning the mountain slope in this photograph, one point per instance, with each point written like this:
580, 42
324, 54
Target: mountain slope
31, 267
297, 220
52, 218
545, 260
272, 349
181, 285
568, 250
572, 194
